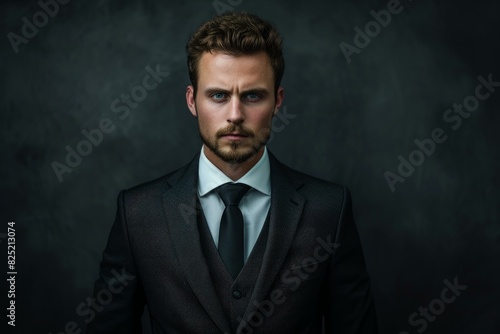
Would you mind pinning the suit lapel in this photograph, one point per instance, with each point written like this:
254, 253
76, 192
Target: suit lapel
180, 206
286, 209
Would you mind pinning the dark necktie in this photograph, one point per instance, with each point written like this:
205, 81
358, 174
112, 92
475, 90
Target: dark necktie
231, 227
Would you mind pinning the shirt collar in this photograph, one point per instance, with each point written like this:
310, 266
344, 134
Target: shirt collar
211, 177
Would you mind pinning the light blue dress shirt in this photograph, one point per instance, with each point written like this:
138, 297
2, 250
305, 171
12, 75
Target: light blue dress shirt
254, 205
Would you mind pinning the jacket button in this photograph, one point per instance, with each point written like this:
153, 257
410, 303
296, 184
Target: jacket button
236, 294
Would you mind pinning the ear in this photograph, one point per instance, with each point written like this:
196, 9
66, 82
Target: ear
190, 100
280, 96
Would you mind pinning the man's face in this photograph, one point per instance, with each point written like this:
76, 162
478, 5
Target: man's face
235, 103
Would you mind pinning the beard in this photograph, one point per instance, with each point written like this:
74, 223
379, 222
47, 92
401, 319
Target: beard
236, 151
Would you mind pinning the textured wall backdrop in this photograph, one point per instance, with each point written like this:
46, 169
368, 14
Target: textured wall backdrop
353, 110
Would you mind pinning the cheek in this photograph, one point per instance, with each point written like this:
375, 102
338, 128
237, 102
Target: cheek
203, 113
263, 121
208, 124
261, 126
204, 122
209, 113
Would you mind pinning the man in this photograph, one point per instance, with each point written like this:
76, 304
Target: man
234, 242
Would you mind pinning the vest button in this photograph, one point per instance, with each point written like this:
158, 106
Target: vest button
237, 294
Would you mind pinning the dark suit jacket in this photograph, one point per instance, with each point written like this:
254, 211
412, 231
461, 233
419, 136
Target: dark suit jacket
312, 274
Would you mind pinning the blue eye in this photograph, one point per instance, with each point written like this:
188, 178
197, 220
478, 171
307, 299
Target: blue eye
218, 96
253, 96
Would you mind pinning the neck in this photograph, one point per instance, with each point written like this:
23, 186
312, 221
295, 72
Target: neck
233, 170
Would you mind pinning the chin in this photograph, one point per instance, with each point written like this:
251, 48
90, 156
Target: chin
235, 155
233, 152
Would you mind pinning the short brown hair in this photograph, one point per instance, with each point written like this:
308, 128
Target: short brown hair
236, 34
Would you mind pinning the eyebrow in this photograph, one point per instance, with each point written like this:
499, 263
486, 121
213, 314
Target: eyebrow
213, 90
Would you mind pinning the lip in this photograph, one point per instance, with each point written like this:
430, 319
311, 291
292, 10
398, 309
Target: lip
234, 136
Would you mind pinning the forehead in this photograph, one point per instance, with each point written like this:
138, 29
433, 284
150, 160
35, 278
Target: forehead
217, 68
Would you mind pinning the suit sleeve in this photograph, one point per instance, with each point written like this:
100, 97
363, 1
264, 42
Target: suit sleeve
349, 308
118, 297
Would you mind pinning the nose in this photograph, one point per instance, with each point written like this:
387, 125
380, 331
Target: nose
235, 113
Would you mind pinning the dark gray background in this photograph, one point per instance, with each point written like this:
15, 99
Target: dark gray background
352, 122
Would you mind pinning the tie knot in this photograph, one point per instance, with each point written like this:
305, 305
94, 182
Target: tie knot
232, 193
